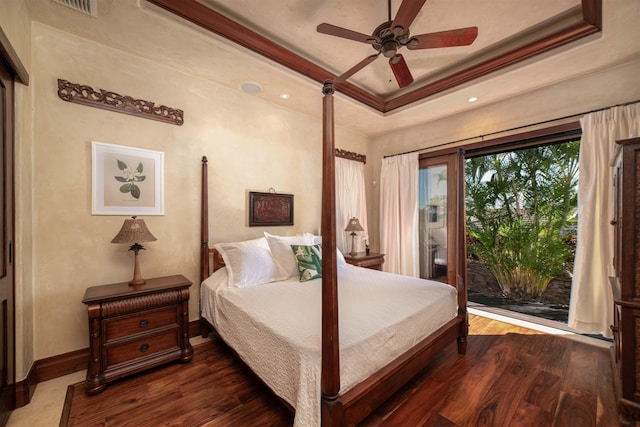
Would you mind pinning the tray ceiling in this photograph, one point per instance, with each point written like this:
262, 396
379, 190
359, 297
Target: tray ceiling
285, 32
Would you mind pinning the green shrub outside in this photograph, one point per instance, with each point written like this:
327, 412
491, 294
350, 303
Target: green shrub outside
521, 211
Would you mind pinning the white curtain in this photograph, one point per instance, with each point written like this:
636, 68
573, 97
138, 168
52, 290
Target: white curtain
590, 307
351, 202
399, 234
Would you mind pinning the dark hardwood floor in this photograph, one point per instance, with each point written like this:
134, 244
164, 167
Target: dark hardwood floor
510, 376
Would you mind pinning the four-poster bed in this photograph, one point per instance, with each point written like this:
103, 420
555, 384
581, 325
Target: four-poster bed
347, 405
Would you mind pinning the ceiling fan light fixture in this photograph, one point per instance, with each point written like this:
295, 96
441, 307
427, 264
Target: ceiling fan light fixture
389, 48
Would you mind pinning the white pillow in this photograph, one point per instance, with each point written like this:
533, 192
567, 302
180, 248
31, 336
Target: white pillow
283, 254
340, 261
249, 263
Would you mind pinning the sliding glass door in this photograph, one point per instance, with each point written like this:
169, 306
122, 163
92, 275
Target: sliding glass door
438, 204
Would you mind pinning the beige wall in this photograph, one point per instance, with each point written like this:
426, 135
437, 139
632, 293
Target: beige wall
251, 145
15, 22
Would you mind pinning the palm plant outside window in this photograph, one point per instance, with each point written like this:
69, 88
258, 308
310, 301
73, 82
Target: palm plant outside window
521, 209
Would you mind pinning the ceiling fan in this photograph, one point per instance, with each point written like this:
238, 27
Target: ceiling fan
391, 35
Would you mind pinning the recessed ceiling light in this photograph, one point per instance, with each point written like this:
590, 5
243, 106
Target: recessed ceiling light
284, 96
472, 99
251, 87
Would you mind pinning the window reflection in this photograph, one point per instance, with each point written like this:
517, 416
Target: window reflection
433, 222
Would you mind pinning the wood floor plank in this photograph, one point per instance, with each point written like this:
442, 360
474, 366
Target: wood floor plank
544, 391
437, 420
502, 399
575, 409
509, 376
467, 396
528, 415
606, 399
555, 355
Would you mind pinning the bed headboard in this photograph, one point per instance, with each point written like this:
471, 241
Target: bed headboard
216, 259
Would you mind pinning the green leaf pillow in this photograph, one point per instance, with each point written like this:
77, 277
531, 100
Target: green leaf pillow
309, 261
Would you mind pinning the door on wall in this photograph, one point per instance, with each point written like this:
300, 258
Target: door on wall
7, 334
439, 183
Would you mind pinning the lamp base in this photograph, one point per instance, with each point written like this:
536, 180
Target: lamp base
353, 244
137, 282
137, 277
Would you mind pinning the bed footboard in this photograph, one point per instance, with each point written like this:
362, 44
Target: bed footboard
364, 398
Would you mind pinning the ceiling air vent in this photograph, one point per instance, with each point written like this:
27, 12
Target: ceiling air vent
88, 7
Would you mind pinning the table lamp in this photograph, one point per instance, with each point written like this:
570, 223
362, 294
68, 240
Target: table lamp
134, 231
353, 225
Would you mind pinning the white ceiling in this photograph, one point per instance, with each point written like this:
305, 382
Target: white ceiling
151, 32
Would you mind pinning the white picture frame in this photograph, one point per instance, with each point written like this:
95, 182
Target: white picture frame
126, 180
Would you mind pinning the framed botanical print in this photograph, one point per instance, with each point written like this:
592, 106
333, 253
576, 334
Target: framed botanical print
126, 180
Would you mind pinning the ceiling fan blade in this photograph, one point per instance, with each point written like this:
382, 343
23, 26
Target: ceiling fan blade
359, 66
407, 12
333, 30
459, 37
400, 70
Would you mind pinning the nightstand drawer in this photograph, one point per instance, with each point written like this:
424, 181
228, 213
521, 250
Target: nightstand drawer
140, 322
144, 347
375, 263
367, 260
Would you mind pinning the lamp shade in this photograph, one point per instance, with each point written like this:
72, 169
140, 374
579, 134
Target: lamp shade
354, 225
134, 230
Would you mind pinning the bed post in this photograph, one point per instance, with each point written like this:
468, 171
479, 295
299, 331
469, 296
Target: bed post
204, 236
332, 411
461, 267
204, 223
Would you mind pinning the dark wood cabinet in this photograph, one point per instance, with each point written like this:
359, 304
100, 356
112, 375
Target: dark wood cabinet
368, 260
626, 281
132, 328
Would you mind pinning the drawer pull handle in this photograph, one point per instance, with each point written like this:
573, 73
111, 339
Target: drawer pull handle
144, 347
144, 323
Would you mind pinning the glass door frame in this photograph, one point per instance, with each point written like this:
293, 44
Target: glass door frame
456, 224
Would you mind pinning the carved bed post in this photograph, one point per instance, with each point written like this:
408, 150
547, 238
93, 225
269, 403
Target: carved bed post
204, 237
332, 411
461, 266
204, 223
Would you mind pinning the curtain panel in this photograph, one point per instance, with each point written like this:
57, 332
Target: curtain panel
351, 202
399, 235
591, 304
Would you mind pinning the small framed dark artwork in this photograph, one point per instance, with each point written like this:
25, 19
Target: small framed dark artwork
267, 209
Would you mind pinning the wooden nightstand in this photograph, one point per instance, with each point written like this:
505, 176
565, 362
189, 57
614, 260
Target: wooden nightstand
361, 259
132, 328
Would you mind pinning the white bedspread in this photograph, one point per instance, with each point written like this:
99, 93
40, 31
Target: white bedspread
276, 327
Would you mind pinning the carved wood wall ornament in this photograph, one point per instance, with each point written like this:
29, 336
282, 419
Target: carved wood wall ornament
107, 100
349, 155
